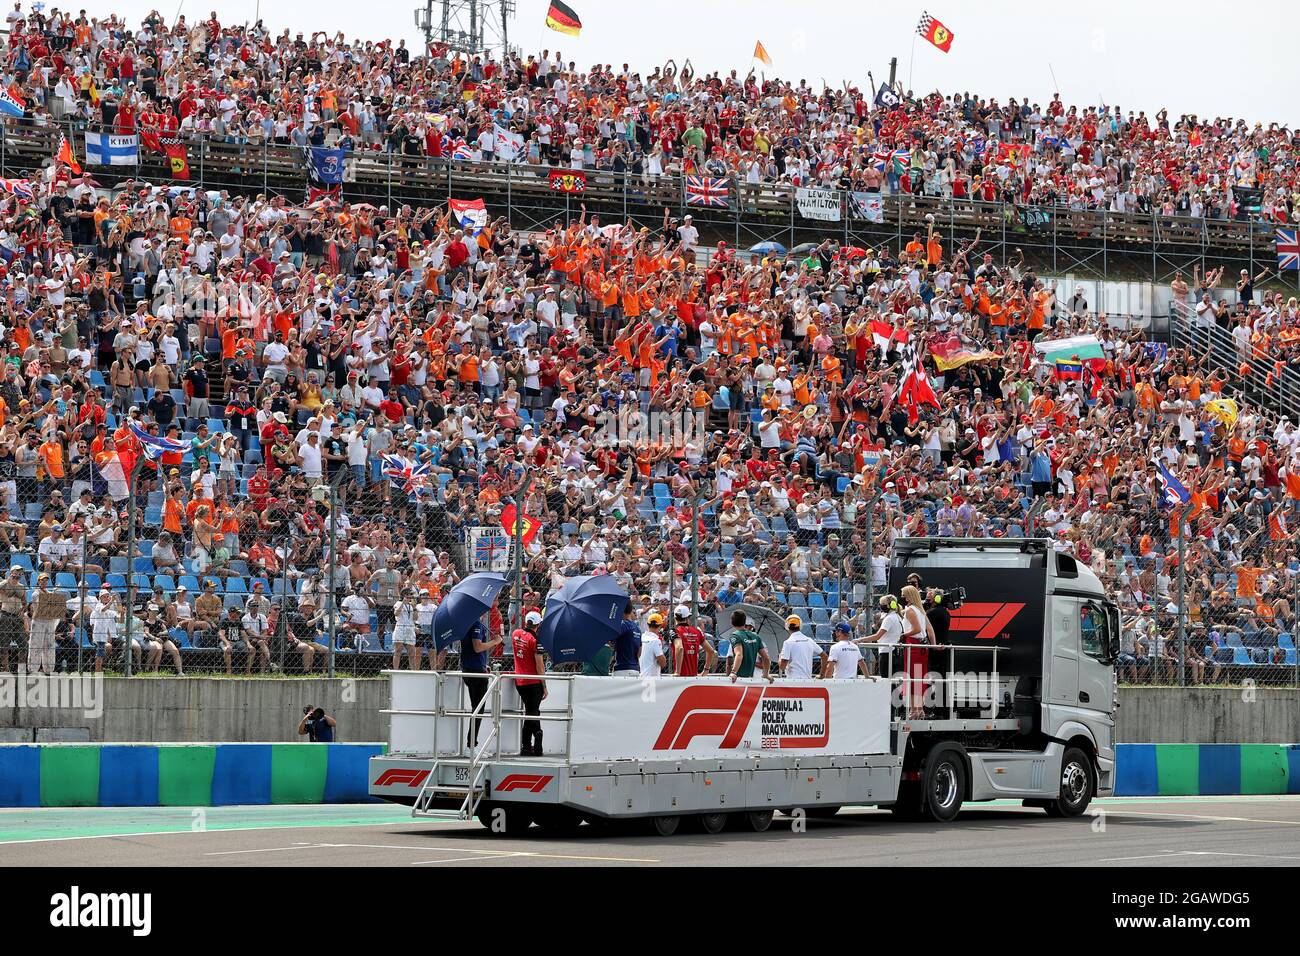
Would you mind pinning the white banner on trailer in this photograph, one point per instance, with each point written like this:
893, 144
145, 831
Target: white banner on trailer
620, 718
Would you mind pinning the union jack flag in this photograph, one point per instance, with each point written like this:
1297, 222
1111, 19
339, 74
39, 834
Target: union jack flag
1288, 250
461, 150
489, 547
21, 188
704, 191
879, 159
413, 477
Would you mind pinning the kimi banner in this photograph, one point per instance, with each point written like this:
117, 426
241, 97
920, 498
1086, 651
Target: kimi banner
105, 149
868, 206
823, 204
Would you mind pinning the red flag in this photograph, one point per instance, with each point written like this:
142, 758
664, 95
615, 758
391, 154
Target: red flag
65, 156
915, 389
935, 32
530, 525
177, 156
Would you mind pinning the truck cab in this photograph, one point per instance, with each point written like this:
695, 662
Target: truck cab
1055, 630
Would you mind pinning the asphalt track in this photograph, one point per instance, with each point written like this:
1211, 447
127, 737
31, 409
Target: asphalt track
1169, 831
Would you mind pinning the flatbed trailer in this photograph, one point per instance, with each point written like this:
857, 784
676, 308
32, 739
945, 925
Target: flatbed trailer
715, 751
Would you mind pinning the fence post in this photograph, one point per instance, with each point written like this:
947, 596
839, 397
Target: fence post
517, 611
1182, 593
281, 619
130, 567
81, 594
696, 517
870, 532
329, 584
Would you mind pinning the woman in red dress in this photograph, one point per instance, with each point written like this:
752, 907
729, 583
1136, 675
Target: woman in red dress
918, 635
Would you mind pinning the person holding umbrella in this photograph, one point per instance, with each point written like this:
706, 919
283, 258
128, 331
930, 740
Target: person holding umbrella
474, 648
627, 645
529, 660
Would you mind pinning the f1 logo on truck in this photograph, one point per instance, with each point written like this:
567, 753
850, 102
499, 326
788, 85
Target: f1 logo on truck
988, 620
533, 782
788, 717
401, 775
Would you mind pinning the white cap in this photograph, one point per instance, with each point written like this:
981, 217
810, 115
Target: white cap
532, 619
682, 611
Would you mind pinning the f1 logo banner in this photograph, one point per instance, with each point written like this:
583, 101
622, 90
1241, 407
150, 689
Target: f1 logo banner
685, 717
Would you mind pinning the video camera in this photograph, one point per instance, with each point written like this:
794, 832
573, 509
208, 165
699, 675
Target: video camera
951, 598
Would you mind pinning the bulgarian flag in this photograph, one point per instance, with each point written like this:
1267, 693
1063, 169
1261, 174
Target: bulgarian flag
882, 333
1077, 348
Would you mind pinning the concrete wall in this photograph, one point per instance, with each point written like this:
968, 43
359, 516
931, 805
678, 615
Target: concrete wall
1197, 715
192, 709
242, 711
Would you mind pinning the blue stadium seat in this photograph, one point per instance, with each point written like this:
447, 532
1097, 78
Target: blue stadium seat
795, 599
23, 561
65, 579
1232, 639
1285, 640
166, 582
1241, 655
816, 599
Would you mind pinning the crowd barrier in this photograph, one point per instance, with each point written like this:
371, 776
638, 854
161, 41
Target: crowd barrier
201, 775
183, 775
1148, 770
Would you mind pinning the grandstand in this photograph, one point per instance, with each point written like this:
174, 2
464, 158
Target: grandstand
271, 329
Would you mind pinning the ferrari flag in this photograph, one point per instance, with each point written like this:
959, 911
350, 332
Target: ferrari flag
935, 32
562, 18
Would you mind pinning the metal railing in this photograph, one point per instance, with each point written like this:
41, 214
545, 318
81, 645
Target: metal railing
1058, 238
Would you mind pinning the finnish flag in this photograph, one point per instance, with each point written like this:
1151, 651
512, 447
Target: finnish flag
103, 149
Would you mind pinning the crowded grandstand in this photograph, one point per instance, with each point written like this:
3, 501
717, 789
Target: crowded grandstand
250, 430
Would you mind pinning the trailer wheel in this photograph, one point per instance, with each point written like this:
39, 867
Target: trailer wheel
712, 823
759, 820
665, 826
944, 783
505, 820
1077, 785
558, 821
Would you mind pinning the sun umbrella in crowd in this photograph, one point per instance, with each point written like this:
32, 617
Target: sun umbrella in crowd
767, 248
766, 623
581, 617
464, 604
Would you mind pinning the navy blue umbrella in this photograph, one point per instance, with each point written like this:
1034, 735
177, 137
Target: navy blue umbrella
582, 617
464, 604
767, 247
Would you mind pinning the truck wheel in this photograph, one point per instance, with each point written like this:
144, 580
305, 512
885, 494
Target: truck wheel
1077, 785
944, 783
759, 820
712, 823
665, 826
504, 820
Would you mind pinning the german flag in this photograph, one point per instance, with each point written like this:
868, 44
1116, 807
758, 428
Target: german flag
562, 18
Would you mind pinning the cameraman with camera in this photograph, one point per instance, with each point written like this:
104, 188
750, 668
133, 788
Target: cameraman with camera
316, 726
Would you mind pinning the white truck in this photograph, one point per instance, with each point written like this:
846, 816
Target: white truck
1018, 704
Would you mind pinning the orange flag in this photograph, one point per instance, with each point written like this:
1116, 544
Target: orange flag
65, 156
760, 53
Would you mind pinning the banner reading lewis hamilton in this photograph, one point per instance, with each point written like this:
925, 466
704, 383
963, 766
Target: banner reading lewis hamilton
625, 718
823, 204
